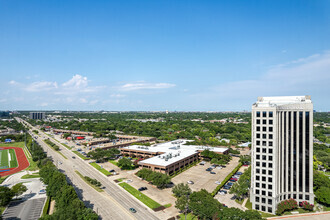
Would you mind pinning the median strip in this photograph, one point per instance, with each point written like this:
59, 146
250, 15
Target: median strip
80, 155
104, 171
82, 177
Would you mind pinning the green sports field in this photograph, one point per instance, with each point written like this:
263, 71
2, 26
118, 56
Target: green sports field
8, 159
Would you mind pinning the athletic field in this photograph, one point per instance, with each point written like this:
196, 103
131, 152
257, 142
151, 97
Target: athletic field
8, 158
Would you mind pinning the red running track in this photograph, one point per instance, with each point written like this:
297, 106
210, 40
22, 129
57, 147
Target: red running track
22, 161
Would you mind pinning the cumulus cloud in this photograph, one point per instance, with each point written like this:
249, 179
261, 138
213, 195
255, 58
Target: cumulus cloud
144, 85
77, 81
41, 86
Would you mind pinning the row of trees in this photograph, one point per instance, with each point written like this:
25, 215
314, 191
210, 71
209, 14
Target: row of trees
158, 179
53, 145
242, 186
101, 155
220, 158
322, 188
68, 205
204, 206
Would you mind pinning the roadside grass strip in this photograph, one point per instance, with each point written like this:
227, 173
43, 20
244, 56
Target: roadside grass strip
80, 155
54, 147
30, 176
82, 177
66, 146
140, 196
102, 170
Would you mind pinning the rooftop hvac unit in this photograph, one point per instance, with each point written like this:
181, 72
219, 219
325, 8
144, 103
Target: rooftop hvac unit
166, 159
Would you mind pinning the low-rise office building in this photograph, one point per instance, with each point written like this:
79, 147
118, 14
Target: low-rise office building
170, 156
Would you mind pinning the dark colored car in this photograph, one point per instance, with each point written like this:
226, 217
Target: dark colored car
226, 187
208, 169
223, 191
230, 183
143, 188
238, 173
132, 210
73, 157
212, 172
111, 171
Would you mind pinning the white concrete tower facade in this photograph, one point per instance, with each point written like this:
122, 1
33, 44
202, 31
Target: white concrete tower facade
282, 151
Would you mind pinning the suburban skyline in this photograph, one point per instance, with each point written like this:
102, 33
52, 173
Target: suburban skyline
157, 56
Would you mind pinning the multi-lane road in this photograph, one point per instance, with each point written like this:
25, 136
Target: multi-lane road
113, 203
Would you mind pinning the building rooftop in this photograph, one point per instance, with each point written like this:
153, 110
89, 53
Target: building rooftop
281, 100
172, 151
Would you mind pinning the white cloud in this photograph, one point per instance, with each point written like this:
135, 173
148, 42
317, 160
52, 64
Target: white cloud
13, 82
305, 76
77, 82
41, 86
117, 95
144, 85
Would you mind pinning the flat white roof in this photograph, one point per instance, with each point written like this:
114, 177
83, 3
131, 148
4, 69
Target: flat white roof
173, 151
282, 100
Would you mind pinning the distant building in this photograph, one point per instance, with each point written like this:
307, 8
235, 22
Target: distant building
4, 114
282, 151
37, 115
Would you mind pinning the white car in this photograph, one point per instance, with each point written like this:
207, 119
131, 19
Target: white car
190, 182
217, 182
219, 168
128, 181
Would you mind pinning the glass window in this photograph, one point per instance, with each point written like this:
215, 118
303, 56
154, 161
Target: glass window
263, 171
257, 198
270, 129
258, 156
270, 194
300, 196
257, 184
270, 165
264, 121
258, 143
257, 177
270, 158
270, 136
258, 135
257, 207
264, 143
264, 114
294, 196
264, 164
270, 143
258, 149
270, 114
270, 209
270, 186
258, 121
263, 200
258, 170
264, 157
264, 150
263, 208
270, 122
306, 197
258, 114
263, 178
270, 151
270, 179
263, 192
264, 136
257, 191
257, 164
270, 172
264, 128
258, 128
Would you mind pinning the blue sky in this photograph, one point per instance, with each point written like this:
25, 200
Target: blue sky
162, 55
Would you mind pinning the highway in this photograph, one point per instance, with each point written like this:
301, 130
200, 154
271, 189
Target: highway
113, 203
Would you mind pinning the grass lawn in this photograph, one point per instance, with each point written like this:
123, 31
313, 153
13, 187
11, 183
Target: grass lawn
3, 179
82, 177
189, 217
46, 207
239, 201
300, 210
114, 162
80, 155
104, 171
140, 196
168, 205
2, 209
266, 215
28, 176
4, 160
248, 204
66, 146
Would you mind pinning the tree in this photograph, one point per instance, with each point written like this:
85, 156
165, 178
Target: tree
244, 159
125, 163
203, 205
181, 190
6, 195
323, 195
18, 189
182, 203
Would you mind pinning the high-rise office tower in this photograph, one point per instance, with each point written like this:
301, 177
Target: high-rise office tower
37, 115
282, 151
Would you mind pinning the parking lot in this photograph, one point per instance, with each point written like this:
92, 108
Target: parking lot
203, 179
229, 199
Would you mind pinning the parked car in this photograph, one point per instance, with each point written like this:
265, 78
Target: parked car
238, 173
230, 183
224, 205
226, 187
132, 210
219, 167
217, 182
190, 182
233, 179
202, 163
43, 191
223, 166
208, 169
73, 157
222, 192
213, 166
128, 181
212, 172
143, 188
